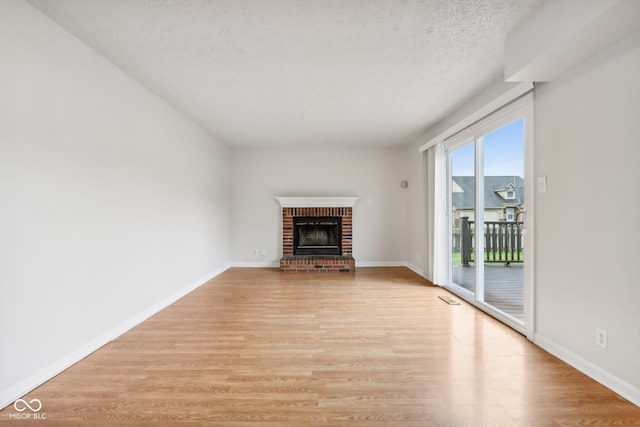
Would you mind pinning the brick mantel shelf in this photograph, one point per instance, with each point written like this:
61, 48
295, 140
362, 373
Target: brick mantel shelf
317, 206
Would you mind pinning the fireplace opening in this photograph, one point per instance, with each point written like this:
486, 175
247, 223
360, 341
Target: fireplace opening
317, 235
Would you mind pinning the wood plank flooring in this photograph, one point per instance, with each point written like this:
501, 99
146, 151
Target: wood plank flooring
257, 347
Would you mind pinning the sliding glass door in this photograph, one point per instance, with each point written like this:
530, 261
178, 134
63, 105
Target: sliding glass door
504, 207
487, 207
462, 187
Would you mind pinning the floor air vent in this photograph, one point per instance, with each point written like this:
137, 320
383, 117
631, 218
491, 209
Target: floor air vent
449, 300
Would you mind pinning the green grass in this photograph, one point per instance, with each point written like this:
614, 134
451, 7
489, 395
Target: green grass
456, 258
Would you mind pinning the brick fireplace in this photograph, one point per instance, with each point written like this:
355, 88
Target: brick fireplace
317, 234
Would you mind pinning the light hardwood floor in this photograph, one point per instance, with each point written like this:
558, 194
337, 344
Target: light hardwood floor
374, 348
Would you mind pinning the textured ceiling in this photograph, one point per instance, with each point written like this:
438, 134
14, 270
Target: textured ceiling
302, 72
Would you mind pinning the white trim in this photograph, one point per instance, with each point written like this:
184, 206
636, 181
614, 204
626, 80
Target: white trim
381, 263
266, 264
618, 385
358, 264
500, 116
23, 387
441, 217
479, 216
317, 202
416, 269
480, 113
530, 209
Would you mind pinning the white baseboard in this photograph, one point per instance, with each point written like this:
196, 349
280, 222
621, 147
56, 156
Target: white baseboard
415, 269
605, 378
381, 263
23, 387
358, 264
392, 264
266, 264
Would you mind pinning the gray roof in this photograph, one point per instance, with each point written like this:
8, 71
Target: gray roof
492, 184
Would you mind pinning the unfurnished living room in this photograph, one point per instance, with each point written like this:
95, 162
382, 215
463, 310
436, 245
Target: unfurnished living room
319, 213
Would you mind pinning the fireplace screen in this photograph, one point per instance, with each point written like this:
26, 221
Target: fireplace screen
317, 235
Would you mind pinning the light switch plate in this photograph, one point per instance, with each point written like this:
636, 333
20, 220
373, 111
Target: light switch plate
542, 184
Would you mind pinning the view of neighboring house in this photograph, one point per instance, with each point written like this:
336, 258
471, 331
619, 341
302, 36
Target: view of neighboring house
503, 198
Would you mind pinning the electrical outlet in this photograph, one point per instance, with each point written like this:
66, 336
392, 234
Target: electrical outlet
601, 338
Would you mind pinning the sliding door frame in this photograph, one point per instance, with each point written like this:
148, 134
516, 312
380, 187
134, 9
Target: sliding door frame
522, 107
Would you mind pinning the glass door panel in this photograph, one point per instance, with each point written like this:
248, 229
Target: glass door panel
503, 207
462, 187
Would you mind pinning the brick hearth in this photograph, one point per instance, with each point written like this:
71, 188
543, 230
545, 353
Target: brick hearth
320, 263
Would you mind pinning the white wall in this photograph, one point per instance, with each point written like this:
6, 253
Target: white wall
111, 203
587, 133
372, 174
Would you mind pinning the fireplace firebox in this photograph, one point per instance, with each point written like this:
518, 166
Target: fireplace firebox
317, 235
